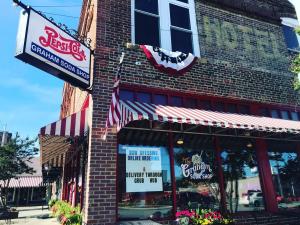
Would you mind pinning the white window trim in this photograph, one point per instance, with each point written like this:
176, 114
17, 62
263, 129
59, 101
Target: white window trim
293, 23
165, 23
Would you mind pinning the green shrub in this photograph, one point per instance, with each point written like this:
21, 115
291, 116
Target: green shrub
52, 202
66, 214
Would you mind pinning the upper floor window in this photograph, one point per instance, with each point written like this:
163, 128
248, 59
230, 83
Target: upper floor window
292, 39
169, 24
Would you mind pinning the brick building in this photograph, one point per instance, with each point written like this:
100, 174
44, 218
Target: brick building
212, 155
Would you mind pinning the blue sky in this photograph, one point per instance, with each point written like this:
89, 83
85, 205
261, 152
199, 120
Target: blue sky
29, 97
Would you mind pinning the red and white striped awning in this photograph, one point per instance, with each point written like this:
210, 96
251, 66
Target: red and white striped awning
73, 125
25, 181
53, 137
131, 111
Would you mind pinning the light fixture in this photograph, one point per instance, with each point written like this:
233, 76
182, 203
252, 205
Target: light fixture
249, 145
247, 134
180, 141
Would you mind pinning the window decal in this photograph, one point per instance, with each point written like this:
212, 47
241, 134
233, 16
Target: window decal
172, 63
195, 169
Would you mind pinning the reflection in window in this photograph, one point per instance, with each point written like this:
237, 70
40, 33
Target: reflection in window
295, 116
181, 34
232, 108
291, 37
191, 103
264, 112
150, 6
219, 106
143, 97
244, 109
285, 169
285, 115
205, 104
169, 24
144, 182
160, 99
146, 29
147, 22
274, 113
242, 184
176, 101
196, 180
126, 95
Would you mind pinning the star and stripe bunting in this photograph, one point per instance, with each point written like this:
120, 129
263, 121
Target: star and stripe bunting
171, 63
114, 113
131, 111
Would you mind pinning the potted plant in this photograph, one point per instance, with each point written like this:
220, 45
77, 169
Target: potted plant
202, 217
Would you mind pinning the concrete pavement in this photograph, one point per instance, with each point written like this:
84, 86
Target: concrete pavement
33, 215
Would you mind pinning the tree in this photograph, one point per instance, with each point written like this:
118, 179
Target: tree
234, 163
15, 157
296, 68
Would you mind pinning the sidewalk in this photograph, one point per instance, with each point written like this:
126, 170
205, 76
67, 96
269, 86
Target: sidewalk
33, 215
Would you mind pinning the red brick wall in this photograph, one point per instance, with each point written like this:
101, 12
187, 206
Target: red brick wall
227, 72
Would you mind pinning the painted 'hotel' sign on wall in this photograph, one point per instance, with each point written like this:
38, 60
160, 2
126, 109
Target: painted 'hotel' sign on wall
44, 45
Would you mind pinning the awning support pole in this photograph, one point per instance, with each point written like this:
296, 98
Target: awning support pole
173, 178
265, 176
220, 173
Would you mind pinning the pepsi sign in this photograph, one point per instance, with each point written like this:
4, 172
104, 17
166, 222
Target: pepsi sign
46, 46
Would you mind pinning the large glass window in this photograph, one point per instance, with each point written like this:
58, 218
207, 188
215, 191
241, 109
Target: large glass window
146, 20
196, 180
176, 101
181, 35
242, 184
285, 114
274, 113
167, 24
144, 178
144, 97
126, 95
160, 99
191, 103
295, 116
292, 39
285, 167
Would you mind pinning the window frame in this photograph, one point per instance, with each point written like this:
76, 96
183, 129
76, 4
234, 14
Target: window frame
165, 23
292, 23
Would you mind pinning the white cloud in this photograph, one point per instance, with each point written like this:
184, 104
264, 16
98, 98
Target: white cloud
46, 94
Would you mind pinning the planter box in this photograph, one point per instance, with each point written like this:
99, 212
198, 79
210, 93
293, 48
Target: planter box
8, 215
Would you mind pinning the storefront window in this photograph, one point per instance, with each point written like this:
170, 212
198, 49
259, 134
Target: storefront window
160, 99
144, 97
144, 182
242, 184
196, 180
191, 103
127, 95
285, 167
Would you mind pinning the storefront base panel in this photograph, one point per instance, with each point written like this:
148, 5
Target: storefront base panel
254, 218
267, 219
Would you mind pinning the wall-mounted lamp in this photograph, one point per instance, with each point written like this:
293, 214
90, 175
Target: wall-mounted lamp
180, 141
249, 145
